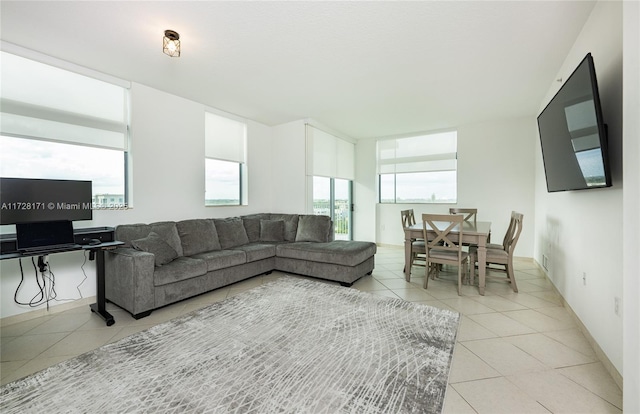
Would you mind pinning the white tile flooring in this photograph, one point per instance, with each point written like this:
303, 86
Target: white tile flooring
515, 352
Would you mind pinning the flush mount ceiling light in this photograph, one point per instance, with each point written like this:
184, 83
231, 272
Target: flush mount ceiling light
171, 43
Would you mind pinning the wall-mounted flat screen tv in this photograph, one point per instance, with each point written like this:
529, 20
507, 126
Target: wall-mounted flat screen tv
573, 134
26, 200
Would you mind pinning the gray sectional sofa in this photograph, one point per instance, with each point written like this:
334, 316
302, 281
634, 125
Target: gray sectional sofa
165, 262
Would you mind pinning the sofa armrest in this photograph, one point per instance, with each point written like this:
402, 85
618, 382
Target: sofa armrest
129, 279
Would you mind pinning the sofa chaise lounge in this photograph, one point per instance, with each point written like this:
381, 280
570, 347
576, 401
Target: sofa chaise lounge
165, 262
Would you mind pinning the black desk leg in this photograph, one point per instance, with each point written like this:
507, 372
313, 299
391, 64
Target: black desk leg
100, 306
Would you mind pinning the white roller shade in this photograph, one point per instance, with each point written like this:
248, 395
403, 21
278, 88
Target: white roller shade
433, 152
43, 129
225, 139
329, 156
345, 160
44, 102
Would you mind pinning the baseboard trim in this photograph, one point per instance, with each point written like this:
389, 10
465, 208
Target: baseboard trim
393, 246
10, 320
602, 357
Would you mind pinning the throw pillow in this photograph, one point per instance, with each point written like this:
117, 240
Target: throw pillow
313, 228
168, 231
231, 232
159, 248
128, 232
271, 230
197, 236
290, 225
252, 225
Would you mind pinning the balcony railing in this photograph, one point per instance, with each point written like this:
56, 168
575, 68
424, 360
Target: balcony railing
340, 217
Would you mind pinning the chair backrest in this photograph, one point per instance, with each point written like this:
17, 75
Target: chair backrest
470, 214
516, 229
443, 241
508, 235
408, 218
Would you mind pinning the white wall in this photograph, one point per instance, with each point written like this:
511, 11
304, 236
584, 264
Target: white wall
289, 167
495, 175
167, 148
168, 163
365, 192
581, 231
630, 204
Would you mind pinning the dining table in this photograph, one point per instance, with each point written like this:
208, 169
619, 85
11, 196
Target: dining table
473, 233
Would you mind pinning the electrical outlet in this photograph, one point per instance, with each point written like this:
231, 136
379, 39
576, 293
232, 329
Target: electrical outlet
545, 262
616, 305
584, 278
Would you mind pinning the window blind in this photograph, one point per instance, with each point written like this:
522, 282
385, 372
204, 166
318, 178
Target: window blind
424, 153
328, 155
225, 139
40, 101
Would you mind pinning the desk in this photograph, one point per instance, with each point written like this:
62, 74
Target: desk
472, 233
96, 251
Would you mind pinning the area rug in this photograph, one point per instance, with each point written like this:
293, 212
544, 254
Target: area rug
289, 346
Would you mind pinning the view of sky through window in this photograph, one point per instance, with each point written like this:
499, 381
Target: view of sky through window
28, 158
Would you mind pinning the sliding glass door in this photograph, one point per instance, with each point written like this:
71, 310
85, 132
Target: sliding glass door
333, 197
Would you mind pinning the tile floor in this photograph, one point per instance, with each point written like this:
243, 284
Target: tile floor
515, 353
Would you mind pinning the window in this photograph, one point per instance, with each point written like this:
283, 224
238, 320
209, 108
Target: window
29, 158
332, 197
419, 169
60, 124
225, 166
330, 164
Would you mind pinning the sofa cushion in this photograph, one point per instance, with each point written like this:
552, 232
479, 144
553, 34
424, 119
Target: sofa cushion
271, 230
221, 259
342, 252
169, 233
257, 251
197, 236
290, 225
231, 232
182, 268
252, 225
313, 229
153, 243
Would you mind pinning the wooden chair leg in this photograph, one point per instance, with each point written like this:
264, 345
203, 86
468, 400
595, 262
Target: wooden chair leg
472, 269
427, 270
467, 270
512, 277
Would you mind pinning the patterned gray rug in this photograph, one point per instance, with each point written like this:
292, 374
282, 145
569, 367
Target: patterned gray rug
289, 346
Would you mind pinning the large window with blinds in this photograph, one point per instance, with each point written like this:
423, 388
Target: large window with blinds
330, 168
59, 124
225, 161
418, 169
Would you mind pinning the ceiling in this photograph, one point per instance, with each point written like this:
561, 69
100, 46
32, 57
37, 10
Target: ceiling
365, 69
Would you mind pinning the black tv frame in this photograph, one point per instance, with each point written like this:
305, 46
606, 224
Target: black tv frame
556, 142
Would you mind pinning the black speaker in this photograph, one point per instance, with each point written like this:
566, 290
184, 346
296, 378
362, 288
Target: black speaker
85, 236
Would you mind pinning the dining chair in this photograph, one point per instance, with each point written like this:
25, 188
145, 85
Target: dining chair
418, 249
507, 235
502, 255
443, 249
470, 214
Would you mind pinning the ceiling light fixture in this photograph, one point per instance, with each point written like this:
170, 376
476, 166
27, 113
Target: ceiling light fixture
171, 43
